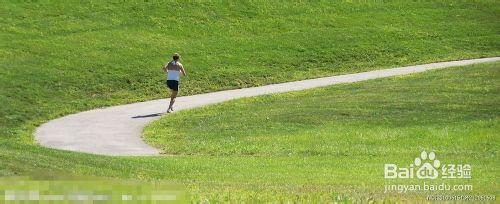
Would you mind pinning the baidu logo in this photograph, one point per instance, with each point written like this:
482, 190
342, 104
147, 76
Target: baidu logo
427, 166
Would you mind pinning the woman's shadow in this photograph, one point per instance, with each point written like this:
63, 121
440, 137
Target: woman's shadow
148, 116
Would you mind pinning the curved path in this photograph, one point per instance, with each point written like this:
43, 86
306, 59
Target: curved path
117, 130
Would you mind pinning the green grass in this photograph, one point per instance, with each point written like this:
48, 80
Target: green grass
456, 116
405, 114
62, 58
349, 131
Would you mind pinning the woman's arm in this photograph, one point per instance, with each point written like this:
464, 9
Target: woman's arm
165, 68
183, 71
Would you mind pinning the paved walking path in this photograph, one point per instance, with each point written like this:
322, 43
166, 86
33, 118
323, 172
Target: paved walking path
117, 130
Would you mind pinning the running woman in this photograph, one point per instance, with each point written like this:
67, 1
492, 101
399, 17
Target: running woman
173, 69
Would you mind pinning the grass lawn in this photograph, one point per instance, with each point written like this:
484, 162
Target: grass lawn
343, 135
330, 155
62, 58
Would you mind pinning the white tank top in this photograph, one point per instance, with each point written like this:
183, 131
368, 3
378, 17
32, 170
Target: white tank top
173, 75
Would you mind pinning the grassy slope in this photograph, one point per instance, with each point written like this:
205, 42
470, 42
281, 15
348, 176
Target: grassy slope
465, 134
404, 114
364, 125
62, 58
57, 59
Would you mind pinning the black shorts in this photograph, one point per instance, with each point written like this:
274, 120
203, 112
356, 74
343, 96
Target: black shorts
173, 84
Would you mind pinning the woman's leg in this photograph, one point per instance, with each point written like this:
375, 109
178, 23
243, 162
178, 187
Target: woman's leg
172, 100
